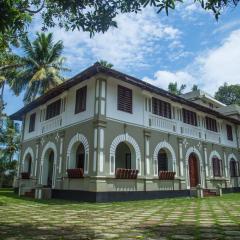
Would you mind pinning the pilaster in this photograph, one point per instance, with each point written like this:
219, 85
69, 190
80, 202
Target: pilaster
181, 163
99, 127
36, 162
147, 169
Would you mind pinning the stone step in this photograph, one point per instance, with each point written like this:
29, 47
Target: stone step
209, 193
30, 194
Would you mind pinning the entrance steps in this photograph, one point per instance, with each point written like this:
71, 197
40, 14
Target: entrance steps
204, 192
210, 193
30, 193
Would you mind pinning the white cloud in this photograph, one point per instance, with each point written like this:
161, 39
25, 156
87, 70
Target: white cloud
163, 78
209, 70
137, 36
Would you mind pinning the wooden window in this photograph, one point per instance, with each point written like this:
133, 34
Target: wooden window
32, 122
229, 132
233, 168
211, 124
124, 99
53, 109
161, 108
189, 117
81, 98
217, 167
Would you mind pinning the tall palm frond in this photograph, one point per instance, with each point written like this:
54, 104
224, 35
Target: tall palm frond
42, 69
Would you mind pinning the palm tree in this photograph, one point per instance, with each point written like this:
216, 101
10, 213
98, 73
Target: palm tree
9, 62
173, 88
105, 63
42, 65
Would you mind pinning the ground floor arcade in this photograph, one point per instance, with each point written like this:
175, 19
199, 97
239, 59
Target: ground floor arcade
119, 158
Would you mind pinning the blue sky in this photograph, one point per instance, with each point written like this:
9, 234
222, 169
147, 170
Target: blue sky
189, 47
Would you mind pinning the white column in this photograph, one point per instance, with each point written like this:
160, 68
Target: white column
181, 167
206, 162
147, 153
36, 160
60, 156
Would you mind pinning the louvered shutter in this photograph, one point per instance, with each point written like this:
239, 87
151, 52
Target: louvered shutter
124, 99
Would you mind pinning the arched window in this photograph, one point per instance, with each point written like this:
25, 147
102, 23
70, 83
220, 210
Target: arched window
80, 156
162, 160
123, 156
233, 168
217, 167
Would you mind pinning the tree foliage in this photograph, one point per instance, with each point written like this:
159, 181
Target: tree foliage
9, 63
9, 139
40, 68
173, 88
195, 87
9, 146
228, 94
105, 63
88, 15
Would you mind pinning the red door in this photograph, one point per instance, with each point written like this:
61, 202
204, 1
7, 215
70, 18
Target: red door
193, 171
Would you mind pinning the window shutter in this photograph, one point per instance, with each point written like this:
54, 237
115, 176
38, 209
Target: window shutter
229, 132
161, 108
124, 99
53, 109
211, 124
32, 122
189, 117
81, 99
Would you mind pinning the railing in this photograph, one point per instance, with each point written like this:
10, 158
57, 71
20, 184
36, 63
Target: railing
170, 125
212, 136
163, 123
51, 124
191, 131
123, 173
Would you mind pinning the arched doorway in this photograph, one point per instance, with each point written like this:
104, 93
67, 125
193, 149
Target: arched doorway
124, 156
80, 156
162, 160
78, 153
48, 168
233, 168
28, 164
133, 149
193, 170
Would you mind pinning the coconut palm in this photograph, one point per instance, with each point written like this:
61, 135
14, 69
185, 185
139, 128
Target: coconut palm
42, 67
9, 62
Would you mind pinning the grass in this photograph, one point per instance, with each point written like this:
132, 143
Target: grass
178, 218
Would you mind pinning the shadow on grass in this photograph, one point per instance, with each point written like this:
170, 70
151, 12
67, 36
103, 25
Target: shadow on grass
46, 231
9, 193
189, 231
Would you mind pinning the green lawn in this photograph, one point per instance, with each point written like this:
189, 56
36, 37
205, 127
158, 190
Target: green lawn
182, 218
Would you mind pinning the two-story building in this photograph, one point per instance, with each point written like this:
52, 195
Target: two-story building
104, 135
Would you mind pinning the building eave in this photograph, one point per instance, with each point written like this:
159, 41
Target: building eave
95, 69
